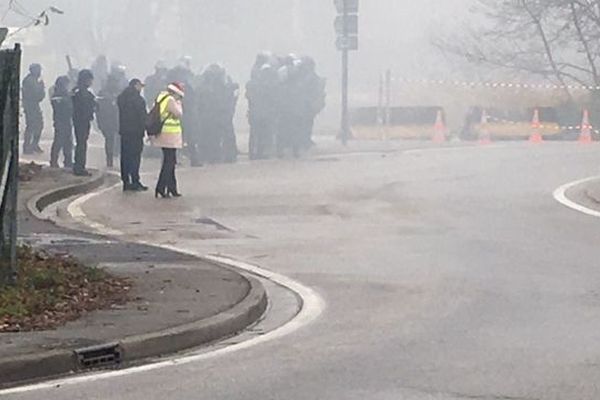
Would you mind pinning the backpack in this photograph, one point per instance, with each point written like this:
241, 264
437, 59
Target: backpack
154, 120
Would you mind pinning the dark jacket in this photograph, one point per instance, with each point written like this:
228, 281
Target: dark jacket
108, 112
132, 113
261, 92
62, 107
84, 105
34, 92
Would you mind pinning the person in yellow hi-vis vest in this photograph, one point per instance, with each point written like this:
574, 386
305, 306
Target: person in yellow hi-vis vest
170, 139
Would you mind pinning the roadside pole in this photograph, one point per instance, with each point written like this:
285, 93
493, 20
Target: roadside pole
345, 81
346, 27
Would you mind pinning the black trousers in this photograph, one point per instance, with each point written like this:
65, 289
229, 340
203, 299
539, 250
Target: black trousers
262, 135
290, 136
63, 141
229, 144
82, 134
132, 147
194, 150
34, 125
167, 179
109, 146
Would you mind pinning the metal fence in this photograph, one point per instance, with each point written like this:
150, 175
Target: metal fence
10, 66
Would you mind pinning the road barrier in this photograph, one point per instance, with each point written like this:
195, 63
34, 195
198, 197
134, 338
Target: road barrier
373, 123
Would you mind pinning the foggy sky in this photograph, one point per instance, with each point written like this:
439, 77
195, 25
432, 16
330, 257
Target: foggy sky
393, 33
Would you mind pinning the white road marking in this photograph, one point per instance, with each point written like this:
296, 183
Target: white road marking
560, 195
312, 307
75, 210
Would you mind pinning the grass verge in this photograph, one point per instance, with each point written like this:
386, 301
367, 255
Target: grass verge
52, 290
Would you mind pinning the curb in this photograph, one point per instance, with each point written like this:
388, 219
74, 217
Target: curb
22, 369
134, 348
38, 203
220, 326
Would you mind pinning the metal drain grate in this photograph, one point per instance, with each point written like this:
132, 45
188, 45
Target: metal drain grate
99, 356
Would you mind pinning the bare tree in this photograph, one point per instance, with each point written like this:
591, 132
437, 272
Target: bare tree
558, 40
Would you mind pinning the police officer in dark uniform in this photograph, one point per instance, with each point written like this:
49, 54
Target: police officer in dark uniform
231, 95
217, 97
290, 110
34, 92
132, 126
208, 108
312, 99
108, 116
84, 108
191, 126
261, 92
155, 83
62, 107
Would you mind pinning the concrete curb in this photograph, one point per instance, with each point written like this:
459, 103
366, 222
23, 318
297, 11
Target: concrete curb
134, 348
55, 363
37, 204
220, 326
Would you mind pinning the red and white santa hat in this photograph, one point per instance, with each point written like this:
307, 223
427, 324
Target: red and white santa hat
177, 88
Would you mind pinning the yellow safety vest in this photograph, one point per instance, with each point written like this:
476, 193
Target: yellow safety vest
172, 125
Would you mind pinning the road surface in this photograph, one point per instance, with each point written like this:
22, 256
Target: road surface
447, 274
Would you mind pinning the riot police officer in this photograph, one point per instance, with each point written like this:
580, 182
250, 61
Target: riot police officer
84, 108
62, 107
34, 92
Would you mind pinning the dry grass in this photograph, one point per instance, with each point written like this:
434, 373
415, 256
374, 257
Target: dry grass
52, 290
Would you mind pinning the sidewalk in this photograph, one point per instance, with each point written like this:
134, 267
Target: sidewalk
178, 301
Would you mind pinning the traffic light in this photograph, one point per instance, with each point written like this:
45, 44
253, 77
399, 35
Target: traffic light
351, 6
346, 24
351, 22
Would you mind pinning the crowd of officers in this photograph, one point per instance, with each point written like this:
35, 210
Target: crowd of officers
284, 95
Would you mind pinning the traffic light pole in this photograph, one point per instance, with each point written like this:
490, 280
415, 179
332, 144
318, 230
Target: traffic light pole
345, 128
345, 116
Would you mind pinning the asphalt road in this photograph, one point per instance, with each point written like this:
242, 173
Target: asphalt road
447, 274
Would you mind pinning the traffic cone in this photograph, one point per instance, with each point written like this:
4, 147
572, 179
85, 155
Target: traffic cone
586, 129
484, 134
439, 128
536, 136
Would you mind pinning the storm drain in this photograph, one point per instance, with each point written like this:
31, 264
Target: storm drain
99, 356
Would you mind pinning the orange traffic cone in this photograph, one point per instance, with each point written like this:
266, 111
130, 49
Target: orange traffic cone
484, 133
439, 128
586, 129
536, 136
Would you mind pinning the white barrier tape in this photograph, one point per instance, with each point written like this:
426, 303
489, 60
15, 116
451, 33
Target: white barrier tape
542, 126
496, 85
